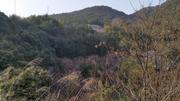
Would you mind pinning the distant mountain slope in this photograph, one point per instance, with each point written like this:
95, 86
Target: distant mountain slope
167, 8
171, 7
98, 15
92, 15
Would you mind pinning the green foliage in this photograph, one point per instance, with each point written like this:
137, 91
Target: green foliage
86, 70
42, 36
6, 24
68, 35
28, 84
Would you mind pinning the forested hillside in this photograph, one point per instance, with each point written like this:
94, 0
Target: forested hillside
24, 39
61, 58
93, 15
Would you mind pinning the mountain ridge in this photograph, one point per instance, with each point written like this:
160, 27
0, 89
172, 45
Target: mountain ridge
103, 14
91, 15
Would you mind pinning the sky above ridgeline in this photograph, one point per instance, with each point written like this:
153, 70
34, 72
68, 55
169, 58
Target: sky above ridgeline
26, 8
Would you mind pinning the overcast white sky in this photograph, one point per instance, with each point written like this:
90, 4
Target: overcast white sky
26, 8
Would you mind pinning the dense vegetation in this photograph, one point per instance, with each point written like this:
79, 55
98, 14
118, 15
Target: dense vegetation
24, 84
24, 39
60, 58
